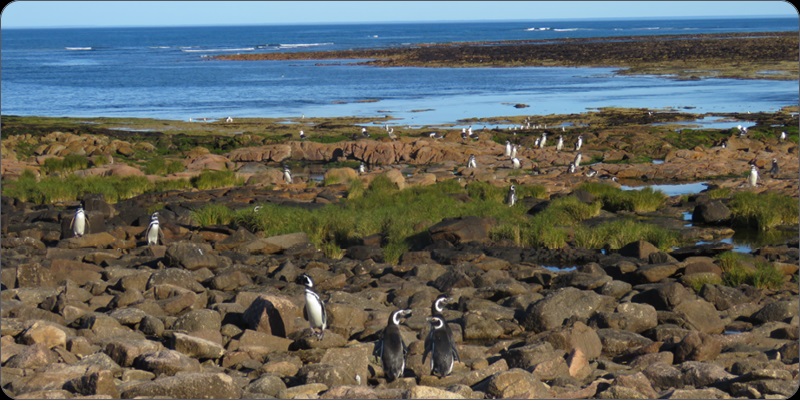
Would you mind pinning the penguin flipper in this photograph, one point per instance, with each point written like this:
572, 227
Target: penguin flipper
88, 224
378, 351
161, 236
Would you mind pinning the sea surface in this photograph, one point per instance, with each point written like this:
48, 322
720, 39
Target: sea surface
168, 73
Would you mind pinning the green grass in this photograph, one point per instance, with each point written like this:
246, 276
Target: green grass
210, 179
697, 281
717, 193
739, 268
619, 233
213, 214
763, 211
614, 199
68, 164
160, 166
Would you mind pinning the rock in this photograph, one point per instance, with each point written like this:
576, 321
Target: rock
96, 383
151, 326
616, 342
328, 374
711, 212
453, 278
628, 316
396, 177
288, 240
518, 384
305, 391
354, 359
187, 386
555, 368
340, 175
166, 362
577, 336
199, 320
778, 311
33, 356
529, 356
618, 392
551, 312
346, 319
665, 296
267, 384
423, 392
697, 346
699, 267
615, 288
48, 335
663, 376
47, 394
196, 347
271, 314
191, 256
692, 393
789, 352
478, 327
177, 277
349, 392
125, 351
700, 374
654, 273
578, 365
462, 230
638, 382
588, 277
640, 249
700, 315
92, 240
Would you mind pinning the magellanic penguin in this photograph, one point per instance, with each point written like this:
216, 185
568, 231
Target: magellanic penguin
571, 168
508, 148
579, 143
515, 163
153, 231
302, 134
315, 308
543, 141
774, 169
362, 168
753, 177
393, 349
80, 222
511, 198
442, 347
578, 158
783, 136
287, 175
471, 162
560, 143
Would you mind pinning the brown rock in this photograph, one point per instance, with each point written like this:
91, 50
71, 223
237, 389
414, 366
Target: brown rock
517, 384
697, 346
166, 362
578, 364
196, 347
95, 383
187, 386
92, 240
47, 335
272, 314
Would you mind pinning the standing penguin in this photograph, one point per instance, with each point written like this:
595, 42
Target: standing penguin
315, 308
783, 136
287, 175
774, 169
515, 163
511, 198
514, 151
362, 168
80, 222
393, 350
442, 347
508, 148
543, 141
471, 162
579, 143
753, 177
153, 231
571, 168
560, 144
578, 158
302, 134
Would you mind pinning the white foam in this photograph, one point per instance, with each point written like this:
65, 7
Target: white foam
78, 48
219, 50
289, 46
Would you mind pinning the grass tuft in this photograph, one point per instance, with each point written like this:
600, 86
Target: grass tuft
210, 179
763, 211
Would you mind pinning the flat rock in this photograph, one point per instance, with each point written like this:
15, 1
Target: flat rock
166, 362
187, 386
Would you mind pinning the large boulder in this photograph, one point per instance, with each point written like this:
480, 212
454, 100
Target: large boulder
551, 312
191, 256
462, 230
700, 315
187, 386
272, 314
711, 212
697, 346
517, 384
778, 311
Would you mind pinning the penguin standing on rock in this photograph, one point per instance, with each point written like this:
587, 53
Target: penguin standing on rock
560, 144
287, 175
753, 177
80, 222
315, 308
774, 169
362, 168
393, 350
442, 347
511, 198
153, 230
471, 162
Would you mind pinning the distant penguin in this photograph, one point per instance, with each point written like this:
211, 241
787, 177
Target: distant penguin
753, 177
80, 222
513, 151
287, 175
153, 230
578, 158
464, 134
591, 172
229, 120
543, 141
442, 348
774, 169
515, 163
302, 134
364, 133
393, 349
511, 197
783, 136
508, 148
571, 168
724, 145
315, 308
579, 143
362, 168
471, 162
469, 131
537, 142
392, 136
560, 144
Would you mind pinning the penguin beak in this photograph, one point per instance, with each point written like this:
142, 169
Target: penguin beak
430, 319
407, 312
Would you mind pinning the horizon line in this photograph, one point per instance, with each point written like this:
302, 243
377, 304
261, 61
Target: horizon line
407, 22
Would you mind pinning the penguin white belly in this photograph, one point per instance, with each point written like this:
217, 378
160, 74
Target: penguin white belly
314, 311
80, 224
152, 235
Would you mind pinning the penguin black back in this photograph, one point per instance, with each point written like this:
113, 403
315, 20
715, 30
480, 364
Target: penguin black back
443, 349
393, 349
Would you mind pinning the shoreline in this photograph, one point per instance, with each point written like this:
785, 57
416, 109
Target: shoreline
689, 57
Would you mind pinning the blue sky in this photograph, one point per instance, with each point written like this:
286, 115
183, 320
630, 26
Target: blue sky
180, 13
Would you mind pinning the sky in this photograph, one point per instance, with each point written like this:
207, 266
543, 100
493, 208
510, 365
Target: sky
43, 14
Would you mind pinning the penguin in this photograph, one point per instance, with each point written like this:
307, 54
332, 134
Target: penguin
315, 308
362, 168
80, 222
560, 144
591, 172
287, 174
513, 151
511, 198
537, 142
515, 163
508, 148
774, 169
302, 134
364, 133
442, 347
393, 350
392, 136
463, 134
437, 306
724, 145
471, 162
783, 136
153, 230
753, 177
544, 139
571, 168
578, 158
579, 143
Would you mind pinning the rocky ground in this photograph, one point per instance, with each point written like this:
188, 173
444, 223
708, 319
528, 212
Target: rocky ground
216, 312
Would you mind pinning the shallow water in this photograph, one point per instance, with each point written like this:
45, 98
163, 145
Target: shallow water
710, 122
672, 190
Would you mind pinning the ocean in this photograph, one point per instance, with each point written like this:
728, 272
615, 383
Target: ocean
168, 73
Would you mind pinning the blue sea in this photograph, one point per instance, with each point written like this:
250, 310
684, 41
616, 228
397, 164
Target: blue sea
169, 73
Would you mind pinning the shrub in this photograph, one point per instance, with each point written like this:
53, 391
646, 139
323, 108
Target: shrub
741, 269
212, 214
614, 199
210, 179
763, 211
619, 233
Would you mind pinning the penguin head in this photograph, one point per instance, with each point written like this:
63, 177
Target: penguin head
395, 318
436, 321
154, 216
512, 188
440, 302
305, 280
